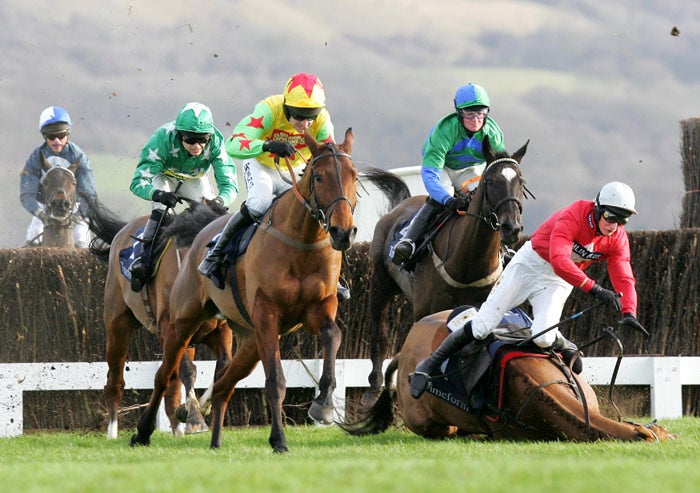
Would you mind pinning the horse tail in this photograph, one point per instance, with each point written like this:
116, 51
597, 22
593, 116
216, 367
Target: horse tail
381, 415
390, 184
104, 225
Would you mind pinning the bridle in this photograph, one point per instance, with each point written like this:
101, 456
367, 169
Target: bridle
316, 211
491, 216
65, 212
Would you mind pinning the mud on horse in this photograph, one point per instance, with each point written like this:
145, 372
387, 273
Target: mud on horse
286, 279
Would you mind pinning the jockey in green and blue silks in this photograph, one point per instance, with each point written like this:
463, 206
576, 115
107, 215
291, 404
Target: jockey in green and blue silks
452, 152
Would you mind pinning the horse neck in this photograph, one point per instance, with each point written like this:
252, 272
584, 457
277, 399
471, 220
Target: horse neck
293, 218
57, 236
471, 232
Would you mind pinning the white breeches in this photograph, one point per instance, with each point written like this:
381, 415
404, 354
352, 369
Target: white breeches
527, 277
263, 184
195, 189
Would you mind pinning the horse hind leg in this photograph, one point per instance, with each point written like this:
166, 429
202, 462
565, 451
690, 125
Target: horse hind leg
382, 289
188, 374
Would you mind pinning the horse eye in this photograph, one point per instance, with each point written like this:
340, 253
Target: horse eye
317, 179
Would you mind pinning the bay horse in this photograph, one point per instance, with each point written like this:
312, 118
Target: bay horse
287, 278
58, 192
539, 399
464, 257
125, 311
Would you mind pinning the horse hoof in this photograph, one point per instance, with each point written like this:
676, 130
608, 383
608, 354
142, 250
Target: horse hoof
181, 414
135, 440
321, 414
194, 428
280, 449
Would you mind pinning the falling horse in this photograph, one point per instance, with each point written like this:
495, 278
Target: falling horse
463, 258
286, 278
532, 396
59, 194
126, 311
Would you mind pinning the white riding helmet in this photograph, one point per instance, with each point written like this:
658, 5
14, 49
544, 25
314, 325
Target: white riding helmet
616, 197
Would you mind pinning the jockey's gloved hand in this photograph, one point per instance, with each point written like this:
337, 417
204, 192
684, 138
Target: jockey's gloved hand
42, 215
631, 321
457, 203
167, 198
282, 149
608, 297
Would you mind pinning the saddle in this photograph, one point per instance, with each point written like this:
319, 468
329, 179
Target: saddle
423, 240
471, 379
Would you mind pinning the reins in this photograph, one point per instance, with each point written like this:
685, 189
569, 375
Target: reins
317, 213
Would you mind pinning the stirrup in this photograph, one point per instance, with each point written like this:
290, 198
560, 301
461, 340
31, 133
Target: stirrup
419, 382
400, 257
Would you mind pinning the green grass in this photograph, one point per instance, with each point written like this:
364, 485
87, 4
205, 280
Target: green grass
324, 459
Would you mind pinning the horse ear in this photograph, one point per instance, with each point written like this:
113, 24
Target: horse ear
349, 140
74, 166
44, 163
311, 143
518, 155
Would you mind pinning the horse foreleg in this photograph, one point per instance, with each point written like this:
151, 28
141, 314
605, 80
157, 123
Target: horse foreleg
220, 341
119, 334
166, 374
242, 364
321, 410
188, 375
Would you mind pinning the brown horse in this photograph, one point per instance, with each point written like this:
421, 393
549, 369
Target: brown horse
286, 278
463, 259
59, 194
126, 311
539, 399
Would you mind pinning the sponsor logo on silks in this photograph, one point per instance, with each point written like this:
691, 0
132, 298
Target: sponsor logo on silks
582, 253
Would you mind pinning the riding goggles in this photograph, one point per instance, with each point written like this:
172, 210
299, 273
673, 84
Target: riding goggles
193, 139
611, 217
59, 135
473, 115
300, 117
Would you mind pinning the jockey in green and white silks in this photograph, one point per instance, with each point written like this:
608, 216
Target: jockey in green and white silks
174, 164
452, 155
165, 160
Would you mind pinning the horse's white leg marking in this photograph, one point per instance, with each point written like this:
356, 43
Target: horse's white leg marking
112, 428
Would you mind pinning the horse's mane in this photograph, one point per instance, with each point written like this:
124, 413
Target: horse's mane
185, 226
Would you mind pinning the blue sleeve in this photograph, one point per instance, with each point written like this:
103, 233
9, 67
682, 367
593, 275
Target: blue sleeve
431, 180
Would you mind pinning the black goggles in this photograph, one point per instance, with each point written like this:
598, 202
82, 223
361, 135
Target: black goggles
301, 117
193, 139
611, 217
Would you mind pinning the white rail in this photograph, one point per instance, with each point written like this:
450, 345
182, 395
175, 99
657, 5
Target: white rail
664, 375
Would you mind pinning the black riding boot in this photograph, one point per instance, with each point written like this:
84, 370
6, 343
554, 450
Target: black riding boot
141, 267
406, 246
455, 341
213, 264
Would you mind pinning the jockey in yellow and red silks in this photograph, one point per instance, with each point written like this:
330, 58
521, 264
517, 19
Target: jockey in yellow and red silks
276, 127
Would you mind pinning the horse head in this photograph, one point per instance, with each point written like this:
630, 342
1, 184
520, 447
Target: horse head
503, 191
331, 178
59, 190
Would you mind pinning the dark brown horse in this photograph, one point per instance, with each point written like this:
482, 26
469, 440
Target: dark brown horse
126, 311
59, 194
464, 257
539, 399
286, 278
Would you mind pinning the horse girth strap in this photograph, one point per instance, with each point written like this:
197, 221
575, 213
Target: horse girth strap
271, 230
439, 265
